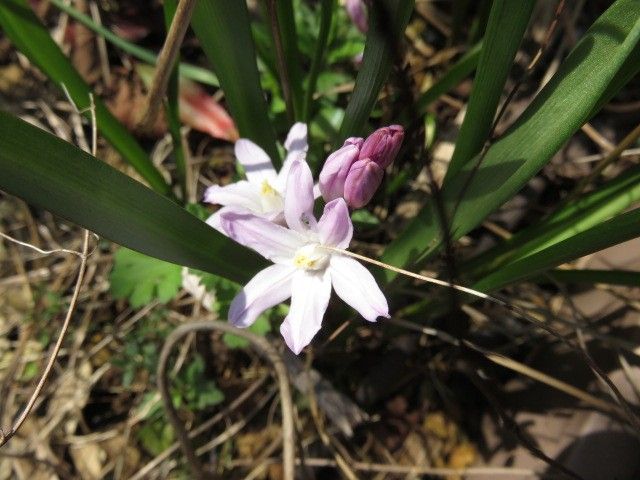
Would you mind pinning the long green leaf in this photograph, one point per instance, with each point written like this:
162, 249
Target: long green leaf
610, 199
52, 174
508, 22
564, 104
612, 232
29, 35
223, 27
387, 23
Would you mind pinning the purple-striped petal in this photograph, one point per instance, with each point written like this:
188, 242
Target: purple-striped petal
335, 227
272, 241
310, 293
356, 286
335, 170
239, 194
268, 288
297, 138
257, 164
298, 200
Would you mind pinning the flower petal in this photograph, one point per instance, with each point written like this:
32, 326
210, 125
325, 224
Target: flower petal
272, 241
356, 286
268, 288
239, 194
298, 200
297, 138
310, 293
257, 164
335, 227
283, 174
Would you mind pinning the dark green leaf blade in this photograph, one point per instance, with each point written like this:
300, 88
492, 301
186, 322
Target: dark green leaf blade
52, 174
223, 29
612, 232
387, 23
555, 114
29, 35
507, 24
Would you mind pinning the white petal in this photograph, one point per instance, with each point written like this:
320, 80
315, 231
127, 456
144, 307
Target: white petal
297, 138
356, 286
240, 194
257, 164
281, 181
272, 241
310, 293
298, 200
335, 227
268, 288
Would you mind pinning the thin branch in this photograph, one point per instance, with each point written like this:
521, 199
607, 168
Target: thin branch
166, 60
266, 351
5, 437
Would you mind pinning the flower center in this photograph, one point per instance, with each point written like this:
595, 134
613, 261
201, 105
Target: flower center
310, 257
270, 198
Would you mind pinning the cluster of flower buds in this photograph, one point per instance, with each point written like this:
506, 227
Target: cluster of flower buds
354, 172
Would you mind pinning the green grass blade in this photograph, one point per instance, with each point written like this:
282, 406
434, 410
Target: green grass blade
609, 277
386, 26
192, 72
558, 111
327, 7
458, 72
29, 35
223, 27
609, 200
292, 58
508, 22
52, 174
612, 232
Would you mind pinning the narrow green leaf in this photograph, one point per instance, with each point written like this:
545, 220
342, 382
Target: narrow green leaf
458, 72
508, 22
192, 72
612, 232
29, 35
52, 174
388, 19
327, 8
223, 27
609, 277
610, 199
289, 38
555, 114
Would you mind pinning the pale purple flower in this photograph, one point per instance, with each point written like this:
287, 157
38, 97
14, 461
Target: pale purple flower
365, 176
336, 168
383, 145
304, 270
263, 191
357, 11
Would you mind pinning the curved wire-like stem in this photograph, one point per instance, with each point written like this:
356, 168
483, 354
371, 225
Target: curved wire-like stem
5, 437
267, 351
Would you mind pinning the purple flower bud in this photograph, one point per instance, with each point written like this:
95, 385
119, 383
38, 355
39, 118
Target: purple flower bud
336, 167
363, 180
383, 145
358, 13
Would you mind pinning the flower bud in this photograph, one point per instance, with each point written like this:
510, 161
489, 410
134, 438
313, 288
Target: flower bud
336, 167
383, 145
361, 183
358, 13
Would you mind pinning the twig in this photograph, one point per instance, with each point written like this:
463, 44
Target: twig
265, 350
629, 414
166, 60
406, 469
44, 252
5, 437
